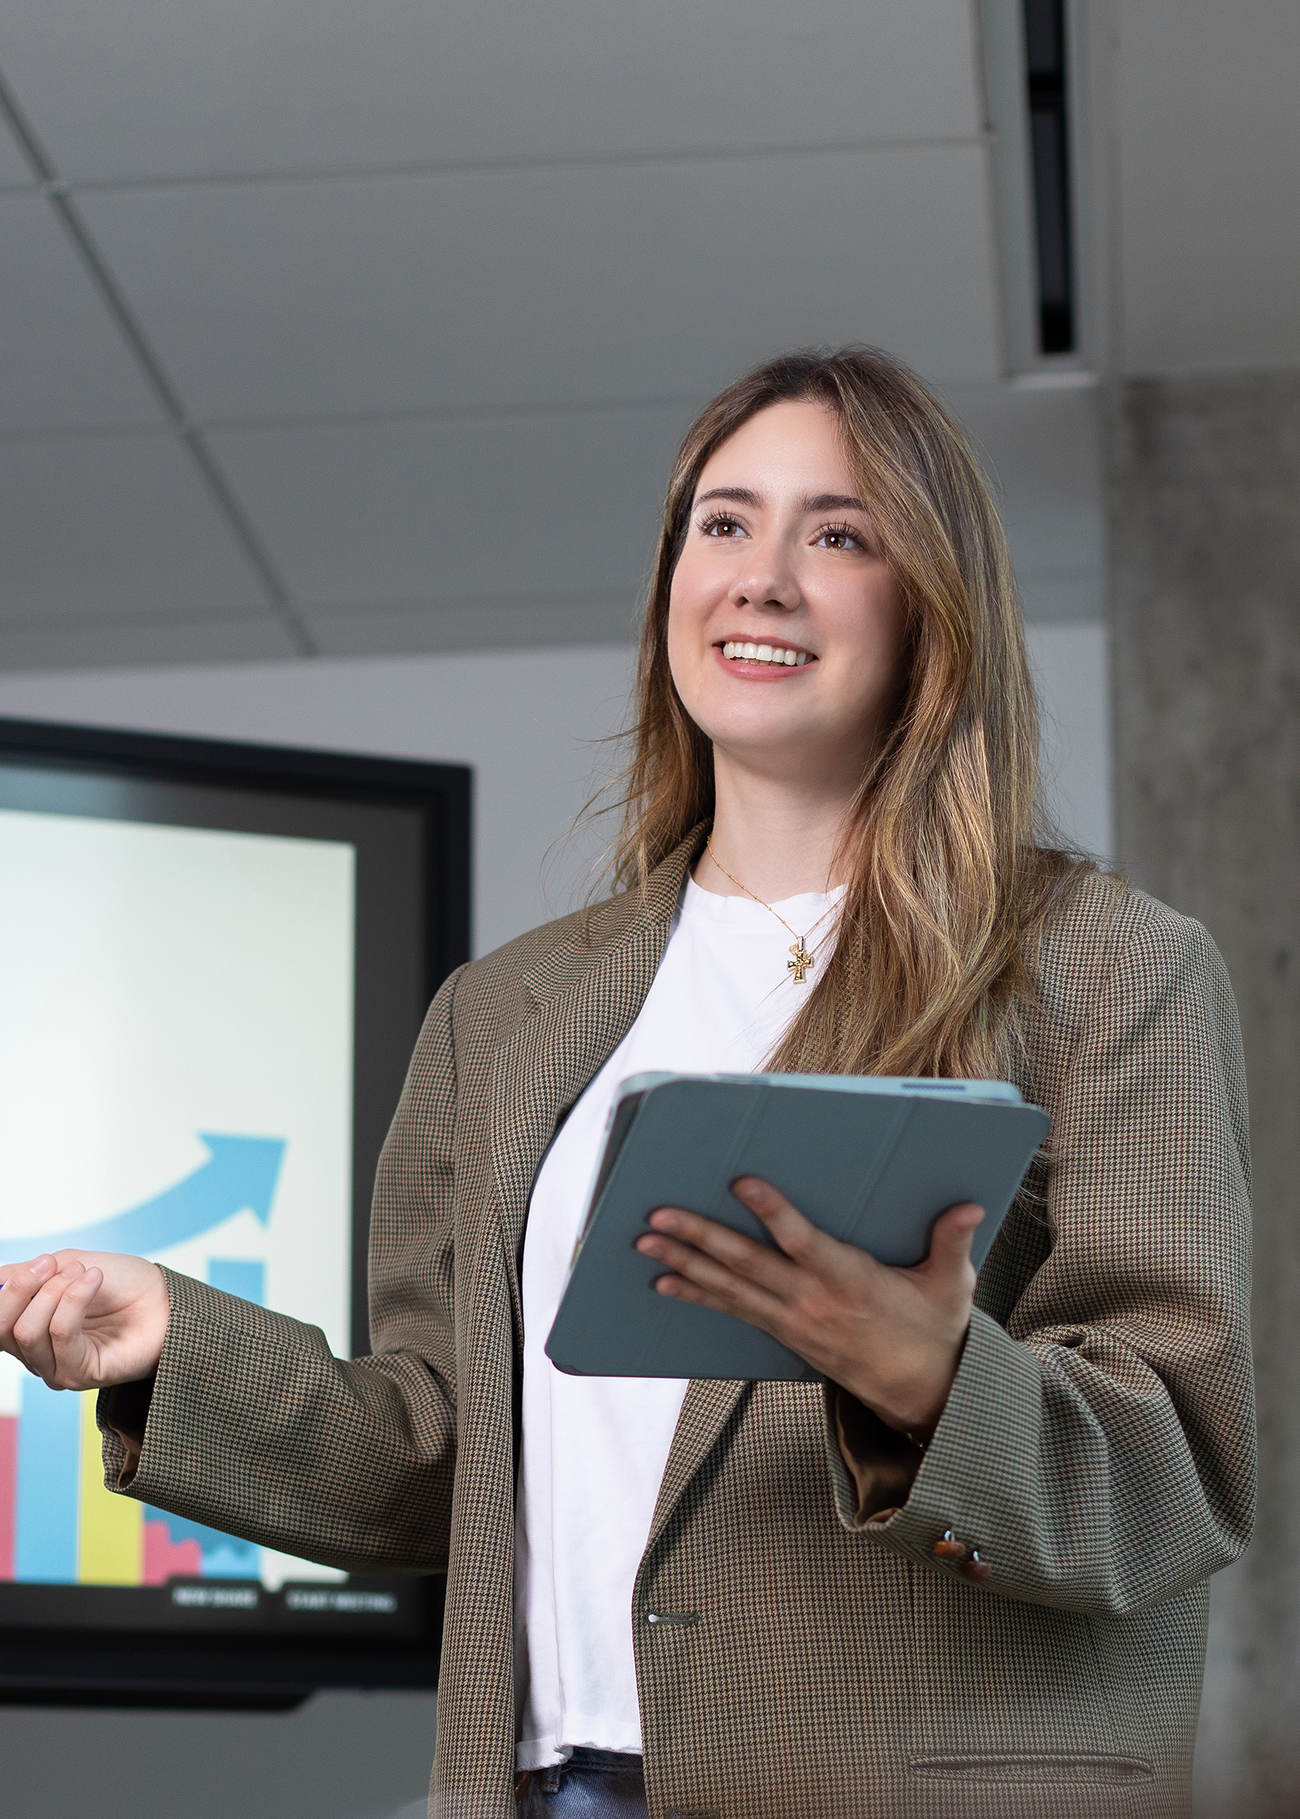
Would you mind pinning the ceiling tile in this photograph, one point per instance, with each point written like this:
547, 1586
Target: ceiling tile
517, 509
15, 172
544, 287
65, 362
474, 625
114, 526
92, 644
146, 88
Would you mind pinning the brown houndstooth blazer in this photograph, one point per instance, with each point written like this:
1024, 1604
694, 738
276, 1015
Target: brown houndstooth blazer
1097, 1447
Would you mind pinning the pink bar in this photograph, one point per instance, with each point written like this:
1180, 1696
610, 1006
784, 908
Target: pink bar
8, 1493
165, 1559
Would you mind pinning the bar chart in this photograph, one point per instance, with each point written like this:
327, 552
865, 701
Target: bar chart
59, 1525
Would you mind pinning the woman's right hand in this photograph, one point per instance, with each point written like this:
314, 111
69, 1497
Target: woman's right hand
84, 1319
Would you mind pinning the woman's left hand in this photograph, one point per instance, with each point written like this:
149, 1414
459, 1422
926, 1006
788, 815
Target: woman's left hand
891, 1337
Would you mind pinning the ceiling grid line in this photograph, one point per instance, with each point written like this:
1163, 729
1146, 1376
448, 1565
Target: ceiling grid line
495, 167
57, 192
432, 413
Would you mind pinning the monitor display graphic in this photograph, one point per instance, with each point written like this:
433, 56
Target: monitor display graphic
214, 964
175, 1080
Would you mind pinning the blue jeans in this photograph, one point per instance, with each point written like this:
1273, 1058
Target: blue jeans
592, 1784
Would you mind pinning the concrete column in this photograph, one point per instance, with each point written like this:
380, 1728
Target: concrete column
1204, 510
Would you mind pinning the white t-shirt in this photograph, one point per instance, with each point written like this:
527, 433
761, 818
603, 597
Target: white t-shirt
594, 1448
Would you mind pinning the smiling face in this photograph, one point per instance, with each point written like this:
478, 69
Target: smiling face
785, 624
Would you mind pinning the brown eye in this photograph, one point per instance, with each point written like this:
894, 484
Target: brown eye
839, 537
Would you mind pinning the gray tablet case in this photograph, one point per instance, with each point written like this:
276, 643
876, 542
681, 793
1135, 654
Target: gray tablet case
872, 1161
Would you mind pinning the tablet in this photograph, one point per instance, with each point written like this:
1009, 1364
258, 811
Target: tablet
872, 1161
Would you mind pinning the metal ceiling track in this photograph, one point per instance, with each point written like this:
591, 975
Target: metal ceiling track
1049, 143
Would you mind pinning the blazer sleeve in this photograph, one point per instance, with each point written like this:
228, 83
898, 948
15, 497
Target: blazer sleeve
255, 1428
1098, 1450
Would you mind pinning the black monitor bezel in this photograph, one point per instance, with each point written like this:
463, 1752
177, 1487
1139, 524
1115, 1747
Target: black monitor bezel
57, 1665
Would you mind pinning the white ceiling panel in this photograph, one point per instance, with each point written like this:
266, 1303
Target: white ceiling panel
542, 287
55, 644
456, 510
1210, 175
14, 170
143, 89
65, 362
474, 624
112, 527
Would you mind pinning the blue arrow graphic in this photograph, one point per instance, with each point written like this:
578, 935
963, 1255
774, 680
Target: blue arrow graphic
241, 1172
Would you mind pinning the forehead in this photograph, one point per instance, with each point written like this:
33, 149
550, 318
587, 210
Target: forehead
790, 447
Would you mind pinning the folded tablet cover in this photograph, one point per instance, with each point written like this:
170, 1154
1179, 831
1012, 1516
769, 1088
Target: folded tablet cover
872, 1161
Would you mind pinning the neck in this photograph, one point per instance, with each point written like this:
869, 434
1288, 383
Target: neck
780, 839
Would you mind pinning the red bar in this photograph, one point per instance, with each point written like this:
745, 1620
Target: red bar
8, 1493
165, 1559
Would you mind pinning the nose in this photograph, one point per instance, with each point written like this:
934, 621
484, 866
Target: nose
767, 579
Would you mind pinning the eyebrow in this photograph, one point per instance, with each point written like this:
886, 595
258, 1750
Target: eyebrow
814, 502
834, 502
740, 495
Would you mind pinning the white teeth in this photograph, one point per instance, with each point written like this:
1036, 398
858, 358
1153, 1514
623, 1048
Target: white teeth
764, 653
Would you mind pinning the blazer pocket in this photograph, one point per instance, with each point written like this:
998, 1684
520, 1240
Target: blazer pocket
1011, 1692
1034, 1767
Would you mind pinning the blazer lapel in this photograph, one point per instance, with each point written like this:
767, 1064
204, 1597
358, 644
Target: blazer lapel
708, 1407
584, 1006
585, 1003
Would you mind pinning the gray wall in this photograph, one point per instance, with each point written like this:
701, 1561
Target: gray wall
1205, 550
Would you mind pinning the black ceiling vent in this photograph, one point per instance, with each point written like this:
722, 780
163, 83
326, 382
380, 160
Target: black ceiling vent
1049, 139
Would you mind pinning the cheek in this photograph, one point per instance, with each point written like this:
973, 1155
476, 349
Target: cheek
874, 631
689, 594
682, 662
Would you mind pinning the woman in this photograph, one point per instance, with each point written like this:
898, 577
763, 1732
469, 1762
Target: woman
968, 1575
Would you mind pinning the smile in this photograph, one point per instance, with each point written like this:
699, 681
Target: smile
765, 653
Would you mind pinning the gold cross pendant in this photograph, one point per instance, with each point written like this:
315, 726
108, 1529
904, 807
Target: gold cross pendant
801, 962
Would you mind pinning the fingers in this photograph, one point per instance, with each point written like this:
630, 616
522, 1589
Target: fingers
47, 1333
950, 1246
742, 1255
711, 1263
31, 1330
798, 1237
20, 1282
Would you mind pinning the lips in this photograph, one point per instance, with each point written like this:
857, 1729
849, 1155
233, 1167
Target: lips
779, 655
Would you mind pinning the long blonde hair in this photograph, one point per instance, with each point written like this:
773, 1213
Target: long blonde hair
947, 879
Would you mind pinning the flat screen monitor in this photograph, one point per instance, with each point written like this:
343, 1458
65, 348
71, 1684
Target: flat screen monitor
214, 962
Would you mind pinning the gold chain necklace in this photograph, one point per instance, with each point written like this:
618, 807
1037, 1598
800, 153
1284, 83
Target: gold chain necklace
798, 967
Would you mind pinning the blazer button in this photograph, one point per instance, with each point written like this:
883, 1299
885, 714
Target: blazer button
975, 1568
947, 1547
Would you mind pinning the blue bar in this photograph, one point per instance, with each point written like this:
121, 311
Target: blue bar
247, 1280
49, 1484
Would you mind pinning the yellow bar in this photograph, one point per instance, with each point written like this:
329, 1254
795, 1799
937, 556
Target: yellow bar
111, 1532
